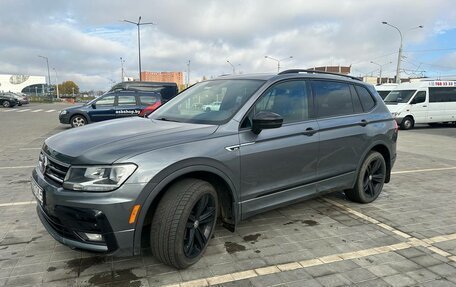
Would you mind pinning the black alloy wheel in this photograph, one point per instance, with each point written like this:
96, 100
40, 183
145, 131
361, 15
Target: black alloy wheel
370, 180
199, 226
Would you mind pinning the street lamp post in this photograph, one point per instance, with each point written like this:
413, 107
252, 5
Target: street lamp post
278, 61
122, 61
234, 68
139, 24
188, 73
399, 56
56, 83
49, 73
381, 68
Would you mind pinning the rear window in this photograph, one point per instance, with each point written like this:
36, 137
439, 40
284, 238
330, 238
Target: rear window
126, 100
149, 99
366, 99
333, 99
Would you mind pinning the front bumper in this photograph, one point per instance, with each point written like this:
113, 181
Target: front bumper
68, 215
64, 119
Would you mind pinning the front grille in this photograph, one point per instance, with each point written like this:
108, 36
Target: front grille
54, 169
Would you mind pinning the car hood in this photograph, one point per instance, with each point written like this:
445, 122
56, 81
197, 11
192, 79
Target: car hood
395, 108
106, 142
75, 107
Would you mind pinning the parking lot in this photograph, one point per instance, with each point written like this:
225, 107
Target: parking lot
407, 237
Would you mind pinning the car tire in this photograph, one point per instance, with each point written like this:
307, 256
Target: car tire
407, 123
78, 121
370, 180
6, 104
184, 222
208, 109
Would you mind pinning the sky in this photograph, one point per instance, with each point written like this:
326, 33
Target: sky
84, 40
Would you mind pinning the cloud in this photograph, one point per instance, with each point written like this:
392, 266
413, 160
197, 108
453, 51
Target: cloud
85, 39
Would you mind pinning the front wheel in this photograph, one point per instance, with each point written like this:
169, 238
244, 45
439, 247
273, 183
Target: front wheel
78, 121
184, 222
6, 104
407, 123
371, 178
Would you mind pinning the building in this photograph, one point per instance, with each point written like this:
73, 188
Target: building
333, 69
170, 77
32, 85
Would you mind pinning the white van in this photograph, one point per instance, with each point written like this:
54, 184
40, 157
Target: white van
384, 89
423, 102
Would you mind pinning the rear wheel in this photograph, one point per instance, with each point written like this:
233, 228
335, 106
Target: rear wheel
407, 123
184, 222
371, 178
78, 121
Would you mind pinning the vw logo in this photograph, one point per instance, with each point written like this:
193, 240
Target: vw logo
43, 162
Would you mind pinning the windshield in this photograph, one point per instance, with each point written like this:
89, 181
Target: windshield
399, 96
194, 104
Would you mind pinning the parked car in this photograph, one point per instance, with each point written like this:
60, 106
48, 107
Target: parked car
214, 106
22, 99
123, 100
276, 139
7, 100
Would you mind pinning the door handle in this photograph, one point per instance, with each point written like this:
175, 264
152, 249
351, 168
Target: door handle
363, 123
424, 106
309, 132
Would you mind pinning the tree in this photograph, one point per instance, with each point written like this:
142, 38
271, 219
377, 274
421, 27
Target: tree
68, 88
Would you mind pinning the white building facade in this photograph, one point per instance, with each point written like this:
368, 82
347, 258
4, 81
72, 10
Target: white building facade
22, 84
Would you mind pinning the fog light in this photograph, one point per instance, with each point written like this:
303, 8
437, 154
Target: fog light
93, 236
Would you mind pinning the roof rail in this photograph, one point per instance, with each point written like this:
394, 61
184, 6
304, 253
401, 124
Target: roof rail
292, 71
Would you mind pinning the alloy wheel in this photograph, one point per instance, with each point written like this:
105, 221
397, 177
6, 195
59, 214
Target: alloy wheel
373, 178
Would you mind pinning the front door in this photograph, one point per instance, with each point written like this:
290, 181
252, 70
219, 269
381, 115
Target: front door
103, 109
419, 108
279, 165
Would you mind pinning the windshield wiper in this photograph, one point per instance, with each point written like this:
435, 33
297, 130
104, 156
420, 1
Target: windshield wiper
166, 120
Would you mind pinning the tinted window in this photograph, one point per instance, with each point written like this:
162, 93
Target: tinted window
148, 100
440, 95
333, 99
366, 99
288, 99
383, 94
420, 97
399, 96
357, 108
126, 100
106, 101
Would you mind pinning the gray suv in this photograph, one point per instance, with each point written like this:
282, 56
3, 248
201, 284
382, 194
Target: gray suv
165, 180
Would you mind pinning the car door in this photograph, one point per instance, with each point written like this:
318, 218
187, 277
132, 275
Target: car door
279, 165
343, 139
126, 105
419, 108
103, 108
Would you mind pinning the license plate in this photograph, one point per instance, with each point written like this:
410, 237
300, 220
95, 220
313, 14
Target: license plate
37, 191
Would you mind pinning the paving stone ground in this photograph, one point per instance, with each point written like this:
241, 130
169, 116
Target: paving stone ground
421, 205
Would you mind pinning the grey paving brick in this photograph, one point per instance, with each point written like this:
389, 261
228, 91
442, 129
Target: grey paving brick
333, 280
164, 279
443, 269
399, 280
373, 283
358, 275
266, 280
422, 275
382, 270
30, 279
426, 260
439, 283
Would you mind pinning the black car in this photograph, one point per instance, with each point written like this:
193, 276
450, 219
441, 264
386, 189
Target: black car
123, 100
8, 100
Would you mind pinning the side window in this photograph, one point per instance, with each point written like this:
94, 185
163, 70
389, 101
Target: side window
106, 101
420, 97
357, 107
366, 98
288, 99
148, 100
129, 100
332, 99
439, 95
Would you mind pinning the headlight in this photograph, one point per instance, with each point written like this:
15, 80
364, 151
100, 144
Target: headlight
64, 112
97, 178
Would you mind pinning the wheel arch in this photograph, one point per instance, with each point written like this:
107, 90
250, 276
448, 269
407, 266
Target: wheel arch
222, 183
383, 149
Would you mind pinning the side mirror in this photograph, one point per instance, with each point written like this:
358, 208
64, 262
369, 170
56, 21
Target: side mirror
94, 106
266, 120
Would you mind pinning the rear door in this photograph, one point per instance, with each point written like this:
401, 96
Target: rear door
103, 108
279, 165
127, 105
343, 132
